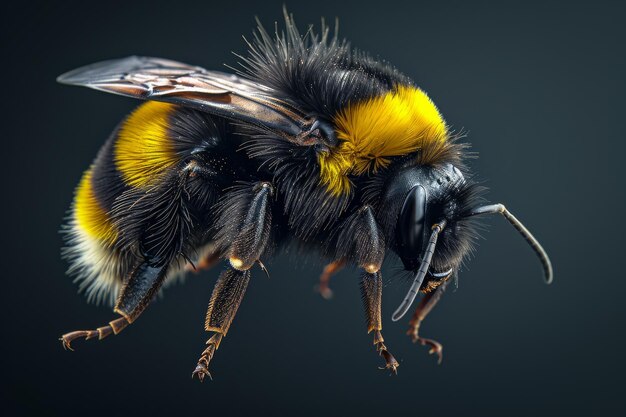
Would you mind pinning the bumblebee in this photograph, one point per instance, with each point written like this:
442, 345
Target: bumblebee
311, 143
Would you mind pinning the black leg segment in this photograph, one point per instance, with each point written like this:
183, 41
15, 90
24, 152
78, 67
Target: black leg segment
244, 223
254, 231
139, 290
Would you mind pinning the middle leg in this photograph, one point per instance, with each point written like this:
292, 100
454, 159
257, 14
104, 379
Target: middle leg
245, 224
225, 300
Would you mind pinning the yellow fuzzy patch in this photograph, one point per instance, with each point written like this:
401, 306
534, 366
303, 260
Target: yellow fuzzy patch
89, 215
143, 149
374, 130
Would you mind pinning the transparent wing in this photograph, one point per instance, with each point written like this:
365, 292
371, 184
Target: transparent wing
214, 92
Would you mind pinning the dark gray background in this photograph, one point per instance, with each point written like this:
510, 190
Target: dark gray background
539, 87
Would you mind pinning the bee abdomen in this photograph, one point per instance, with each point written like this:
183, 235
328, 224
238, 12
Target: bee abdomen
144, 149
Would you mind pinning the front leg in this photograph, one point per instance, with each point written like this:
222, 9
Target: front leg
371, 290
425, 306
360, 241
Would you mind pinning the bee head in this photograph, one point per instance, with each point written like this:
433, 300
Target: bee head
431, 216
425, 197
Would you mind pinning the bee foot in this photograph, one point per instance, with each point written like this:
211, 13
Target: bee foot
201, 372
390, 362
202, 368
435, 347
68, 338
114, 327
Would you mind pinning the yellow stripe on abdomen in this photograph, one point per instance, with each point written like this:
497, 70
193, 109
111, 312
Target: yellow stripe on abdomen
143, 149
89, 216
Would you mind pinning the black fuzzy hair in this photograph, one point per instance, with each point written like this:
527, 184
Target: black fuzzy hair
158, 218
316, 72
310, 210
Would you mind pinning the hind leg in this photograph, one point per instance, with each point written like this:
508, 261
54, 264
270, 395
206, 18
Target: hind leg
157, 224
139, 290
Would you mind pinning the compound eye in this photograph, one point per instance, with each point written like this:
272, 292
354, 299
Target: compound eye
410, 227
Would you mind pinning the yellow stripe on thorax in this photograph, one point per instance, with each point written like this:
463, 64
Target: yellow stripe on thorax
372, 131
89, 216
143, 149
